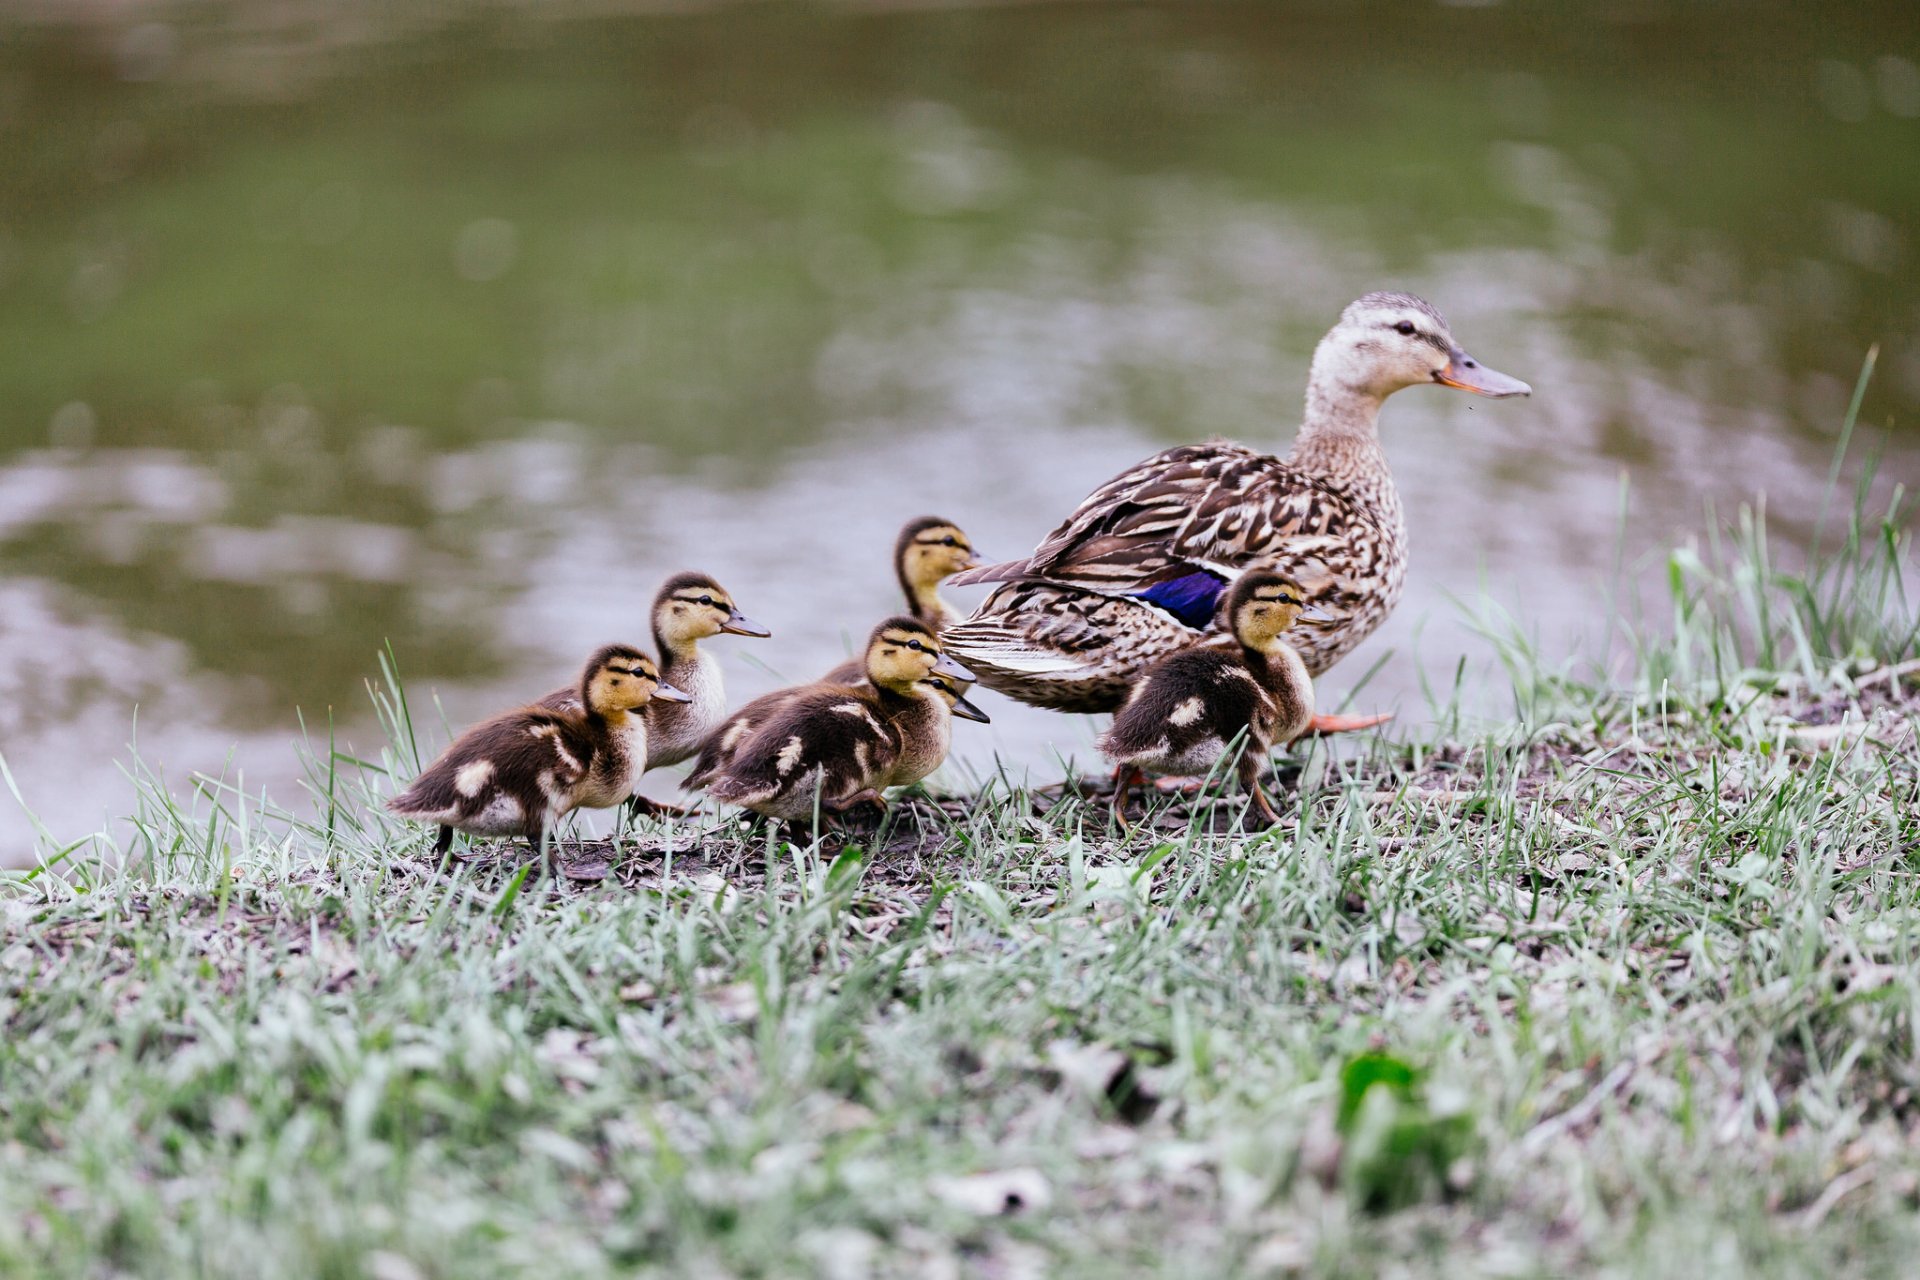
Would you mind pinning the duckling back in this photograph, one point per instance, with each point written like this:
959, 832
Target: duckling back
1186, 711
519, 773
825, 744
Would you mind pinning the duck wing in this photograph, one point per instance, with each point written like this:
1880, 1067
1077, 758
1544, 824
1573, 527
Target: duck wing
1197, 509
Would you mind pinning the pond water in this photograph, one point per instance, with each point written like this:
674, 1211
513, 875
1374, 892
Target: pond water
458, 328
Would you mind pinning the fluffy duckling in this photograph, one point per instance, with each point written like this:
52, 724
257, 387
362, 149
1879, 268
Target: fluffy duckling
1192, 705
689, 608
928, 552
519, 773
838, 744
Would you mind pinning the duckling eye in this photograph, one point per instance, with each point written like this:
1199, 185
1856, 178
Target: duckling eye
707, 600
1405, 326
949, 541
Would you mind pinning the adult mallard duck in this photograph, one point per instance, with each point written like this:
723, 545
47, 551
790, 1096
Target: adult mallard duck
1137, 571
840, 746
928, 551
1191, 707
519, 773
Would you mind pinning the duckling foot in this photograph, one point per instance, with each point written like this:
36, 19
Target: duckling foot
643, 807
1264, 805
1125, 779
1321, 726
586, 869
861, 799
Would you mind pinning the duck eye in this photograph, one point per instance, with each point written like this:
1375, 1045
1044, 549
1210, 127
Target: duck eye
949, 541
707, 600
1405, 326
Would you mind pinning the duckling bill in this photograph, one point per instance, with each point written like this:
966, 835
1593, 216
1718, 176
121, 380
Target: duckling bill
522, 771
1191, 707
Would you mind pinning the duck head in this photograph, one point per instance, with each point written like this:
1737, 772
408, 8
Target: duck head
929, 551
691, 607
620, 678
904, 651
1388, 341
1261, 607
950, 692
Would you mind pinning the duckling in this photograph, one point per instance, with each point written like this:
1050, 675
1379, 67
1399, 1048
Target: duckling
519, 773
838, 744
689, 608
928, 551
1191, 706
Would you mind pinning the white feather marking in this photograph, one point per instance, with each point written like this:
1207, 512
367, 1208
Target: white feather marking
1187, 712
848, 708
789, 755
472, 777
1010, 655
736, 734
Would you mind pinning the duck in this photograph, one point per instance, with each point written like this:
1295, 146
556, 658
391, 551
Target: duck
840, 746
1245, 687
688, 608
928, 551
1137, 571
522, 771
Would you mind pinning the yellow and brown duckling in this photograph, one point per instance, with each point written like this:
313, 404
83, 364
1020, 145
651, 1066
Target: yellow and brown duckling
1189, 708
689, 608
928, 551
521, 772
838, 745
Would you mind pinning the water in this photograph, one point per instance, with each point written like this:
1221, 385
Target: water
461, 328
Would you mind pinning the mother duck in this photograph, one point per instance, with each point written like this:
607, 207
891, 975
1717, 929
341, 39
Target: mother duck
1138, 569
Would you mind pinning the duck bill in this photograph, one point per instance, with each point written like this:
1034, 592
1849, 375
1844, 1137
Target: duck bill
976, 561
671, 694
1468, 374
739, 624
952, 670
967, 711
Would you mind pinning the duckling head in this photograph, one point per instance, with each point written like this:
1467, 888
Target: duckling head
1262, 607
1387, 341
930, 551
620, 678
692, 606
903, 651
950, 692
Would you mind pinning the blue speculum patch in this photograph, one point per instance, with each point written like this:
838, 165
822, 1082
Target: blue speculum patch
1192, 598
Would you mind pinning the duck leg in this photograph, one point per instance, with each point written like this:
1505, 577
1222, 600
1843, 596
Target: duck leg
444, 842
1249, 771
1125, 779
1264, 805
865, 796
1321, 726
641, 806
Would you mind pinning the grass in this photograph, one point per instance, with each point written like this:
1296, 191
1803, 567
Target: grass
1625, 984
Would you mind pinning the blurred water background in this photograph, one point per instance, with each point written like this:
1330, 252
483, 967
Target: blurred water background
459, 325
